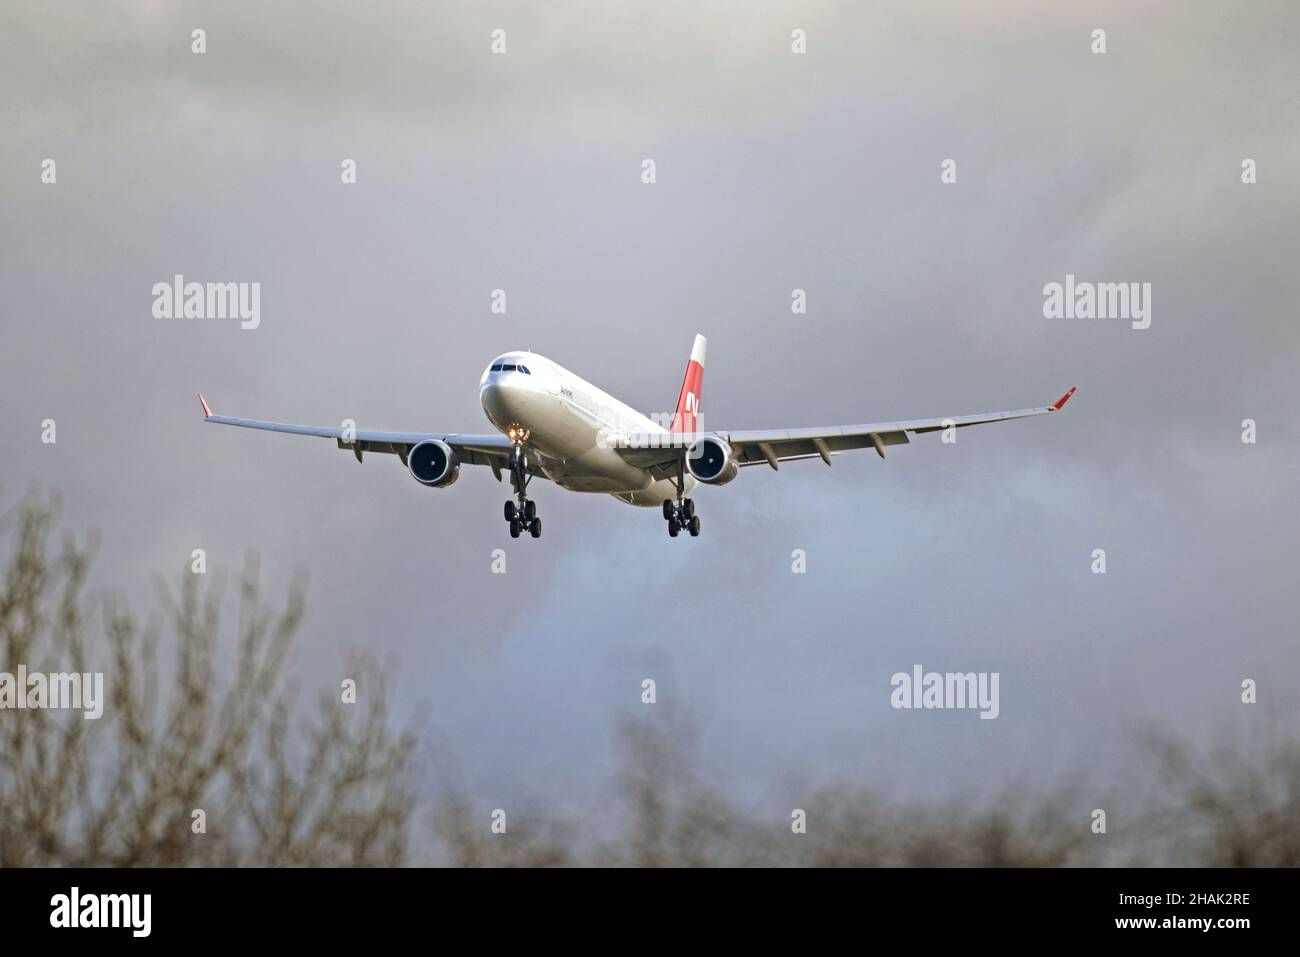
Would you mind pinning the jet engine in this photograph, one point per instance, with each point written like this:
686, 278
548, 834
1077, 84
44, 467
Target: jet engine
433, 463
712, 462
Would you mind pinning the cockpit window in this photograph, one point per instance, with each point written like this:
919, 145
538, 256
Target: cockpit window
508, 367
496, 368
524, 370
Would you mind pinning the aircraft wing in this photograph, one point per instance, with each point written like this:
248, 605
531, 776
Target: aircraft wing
661, 451
492, 450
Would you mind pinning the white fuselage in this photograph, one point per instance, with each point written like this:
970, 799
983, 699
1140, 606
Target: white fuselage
566, 421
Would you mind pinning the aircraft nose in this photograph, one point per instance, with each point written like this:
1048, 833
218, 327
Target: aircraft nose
495, 397
506, 396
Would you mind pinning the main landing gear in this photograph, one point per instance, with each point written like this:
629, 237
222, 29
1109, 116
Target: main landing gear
522, 517
681, 516
681, 513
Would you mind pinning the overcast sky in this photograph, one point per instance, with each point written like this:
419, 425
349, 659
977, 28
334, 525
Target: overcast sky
775, 171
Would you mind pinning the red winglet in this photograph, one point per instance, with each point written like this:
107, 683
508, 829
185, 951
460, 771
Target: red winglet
1063, 399
207, 413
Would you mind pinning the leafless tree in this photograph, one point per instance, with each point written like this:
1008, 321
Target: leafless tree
123, 790
215, 728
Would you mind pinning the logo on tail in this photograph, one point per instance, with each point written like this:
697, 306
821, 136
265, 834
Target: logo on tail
687, 416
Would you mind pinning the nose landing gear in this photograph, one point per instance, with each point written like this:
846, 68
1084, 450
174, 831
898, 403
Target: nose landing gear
522, 517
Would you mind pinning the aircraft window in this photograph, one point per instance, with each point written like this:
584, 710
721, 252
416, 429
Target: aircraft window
497, 367
508, 367
524, 370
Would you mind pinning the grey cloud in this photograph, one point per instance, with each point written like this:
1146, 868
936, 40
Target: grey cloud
774, 172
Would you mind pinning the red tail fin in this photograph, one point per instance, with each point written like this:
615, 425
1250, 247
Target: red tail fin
686, 418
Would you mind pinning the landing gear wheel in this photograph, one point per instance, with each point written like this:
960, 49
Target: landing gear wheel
515, 528
668, 509
530, 510
688, 507
535, 529
673, 528
695, 526
511, 511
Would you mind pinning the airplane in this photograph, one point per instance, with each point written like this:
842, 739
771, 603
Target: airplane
553, 424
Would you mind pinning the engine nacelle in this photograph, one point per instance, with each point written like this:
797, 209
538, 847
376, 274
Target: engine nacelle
712, 462
433, 463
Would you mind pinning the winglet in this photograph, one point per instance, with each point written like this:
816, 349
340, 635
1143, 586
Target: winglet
1060, 403
207, 413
